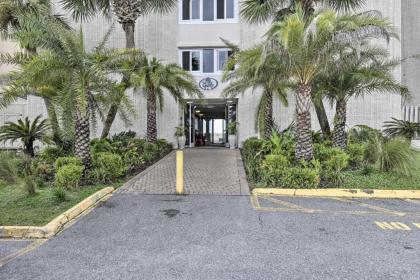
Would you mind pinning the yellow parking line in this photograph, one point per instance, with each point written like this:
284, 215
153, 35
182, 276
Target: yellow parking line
287, 204
22, 251
254, 201
373, 207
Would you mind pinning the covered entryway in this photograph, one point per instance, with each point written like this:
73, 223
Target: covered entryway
206, 121
206, 171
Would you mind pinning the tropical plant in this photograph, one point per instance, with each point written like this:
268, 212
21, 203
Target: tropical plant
356, 72
401, 128
307, 47
155, 79
27, 132
233, 128
259, 11
25, 22
254, 71
8, 168
397, 156
127, 13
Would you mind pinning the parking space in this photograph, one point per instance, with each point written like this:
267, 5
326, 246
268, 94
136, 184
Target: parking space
12, 248
160, 237
310, 205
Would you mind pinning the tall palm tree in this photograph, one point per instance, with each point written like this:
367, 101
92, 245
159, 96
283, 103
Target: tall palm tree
26, 131
127, 12
307, 46
155, 79
356, 72
259, 11
253, 71
26, 22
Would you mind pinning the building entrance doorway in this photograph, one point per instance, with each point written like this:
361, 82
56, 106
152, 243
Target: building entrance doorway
206, 122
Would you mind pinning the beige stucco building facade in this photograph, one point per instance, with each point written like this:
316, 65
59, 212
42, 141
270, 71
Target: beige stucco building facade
187, 35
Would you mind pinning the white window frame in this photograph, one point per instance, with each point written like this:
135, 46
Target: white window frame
200, 50
235, 18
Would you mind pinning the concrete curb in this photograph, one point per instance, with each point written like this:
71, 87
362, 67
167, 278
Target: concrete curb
56, 224
346, 193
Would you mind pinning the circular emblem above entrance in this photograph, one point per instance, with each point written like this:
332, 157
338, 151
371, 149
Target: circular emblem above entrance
208, 83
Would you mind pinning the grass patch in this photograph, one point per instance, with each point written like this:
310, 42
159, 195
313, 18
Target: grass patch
19, 209
380, 180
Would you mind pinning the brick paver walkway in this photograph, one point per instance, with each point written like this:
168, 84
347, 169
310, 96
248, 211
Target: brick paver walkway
206, 171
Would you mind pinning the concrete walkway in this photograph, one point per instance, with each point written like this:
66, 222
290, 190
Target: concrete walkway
211, 171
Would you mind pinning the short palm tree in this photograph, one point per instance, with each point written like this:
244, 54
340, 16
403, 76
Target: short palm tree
155, 79
401, 128
307, 46
259, 11
254, 71
26, 131
356, 73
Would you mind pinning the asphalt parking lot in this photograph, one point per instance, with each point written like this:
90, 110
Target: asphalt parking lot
134, 236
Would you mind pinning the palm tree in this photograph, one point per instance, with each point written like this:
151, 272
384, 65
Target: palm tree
306, 47
254, 70
259, 11
30, 78
27, 23
26, 131
400, 128
127, 13
156, 78
356, 73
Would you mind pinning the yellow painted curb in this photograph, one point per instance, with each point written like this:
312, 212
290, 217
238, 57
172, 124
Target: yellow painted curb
347, 193
56, 224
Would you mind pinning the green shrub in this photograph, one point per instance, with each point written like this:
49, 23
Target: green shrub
281, 144
333, 161
108, 166
69, 176
367, 169
274, 162
43, 171
252, 155
397, 156
101, 146
150, 152
357, 155
163, 147
292, 177
124, 137
51, 154
59, 194
8, 168
29, 185
66, 161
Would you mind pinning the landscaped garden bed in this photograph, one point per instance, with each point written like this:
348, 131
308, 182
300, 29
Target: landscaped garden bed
34, 190
370, 160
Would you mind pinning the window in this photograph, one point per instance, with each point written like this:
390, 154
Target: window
205, 60
223, 56
208, 10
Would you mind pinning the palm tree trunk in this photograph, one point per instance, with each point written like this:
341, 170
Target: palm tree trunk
129, 28
323, 119
304, 148
339, 134
268, 114
52, 116
82, 141
29, 149
151, 117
